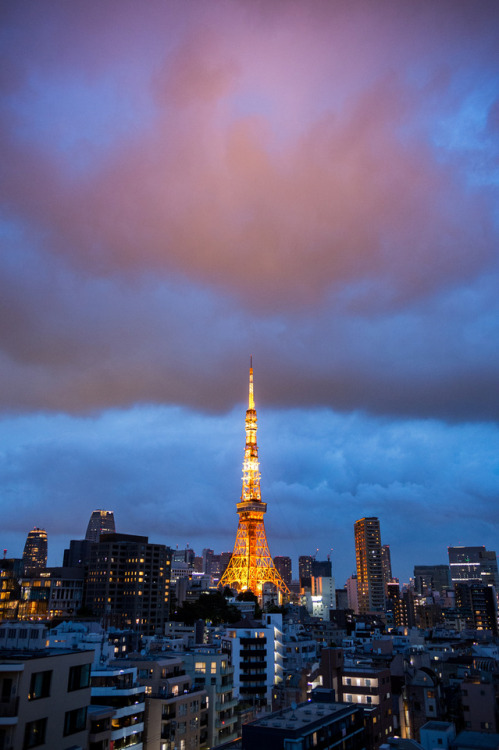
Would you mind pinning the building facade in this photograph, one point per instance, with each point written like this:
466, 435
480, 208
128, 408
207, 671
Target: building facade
45, 695
128, 582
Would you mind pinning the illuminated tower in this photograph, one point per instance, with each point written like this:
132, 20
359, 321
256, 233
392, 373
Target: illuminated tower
251, 564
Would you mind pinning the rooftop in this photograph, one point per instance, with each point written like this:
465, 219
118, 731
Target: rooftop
12, 654
303, 715
478, 740
438, 726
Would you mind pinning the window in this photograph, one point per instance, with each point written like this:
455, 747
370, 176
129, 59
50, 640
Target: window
200, 666
34, 733
213, 667
79, 677
75, 721
40, 685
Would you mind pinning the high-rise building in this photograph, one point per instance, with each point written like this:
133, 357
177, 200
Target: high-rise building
305, 570
128, 582
101, 522
283, 567
386, 564
473, 565
251, 564
35, 551
477, 603
370, 581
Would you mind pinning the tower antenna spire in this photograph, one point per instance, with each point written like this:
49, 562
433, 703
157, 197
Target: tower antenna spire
251, 400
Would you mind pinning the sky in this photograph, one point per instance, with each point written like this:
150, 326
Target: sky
186, 184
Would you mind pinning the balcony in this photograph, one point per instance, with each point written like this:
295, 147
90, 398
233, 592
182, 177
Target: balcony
8, 712
225, 706
219, 724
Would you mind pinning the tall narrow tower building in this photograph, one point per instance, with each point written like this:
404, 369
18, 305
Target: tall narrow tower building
251, 564
370, 578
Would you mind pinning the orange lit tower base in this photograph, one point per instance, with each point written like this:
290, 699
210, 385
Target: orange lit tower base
251, 564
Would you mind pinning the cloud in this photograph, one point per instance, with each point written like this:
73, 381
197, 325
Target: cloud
160, 468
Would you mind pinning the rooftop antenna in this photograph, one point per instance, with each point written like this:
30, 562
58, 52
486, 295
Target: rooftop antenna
4, 554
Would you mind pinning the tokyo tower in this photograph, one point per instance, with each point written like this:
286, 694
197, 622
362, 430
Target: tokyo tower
251, 564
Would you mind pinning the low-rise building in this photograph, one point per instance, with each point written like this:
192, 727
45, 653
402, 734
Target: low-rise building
310, 724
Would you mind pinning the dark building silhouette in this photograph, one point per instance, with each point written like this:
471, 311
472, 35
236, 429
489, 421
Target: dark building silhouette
35, 551
305, 570
101, 522
78, 553
386, 564
322, 569
283, 567
431, 578
128, 582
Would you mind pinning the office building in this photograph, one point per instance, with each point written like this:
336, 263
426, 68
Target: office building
35, 551
77, 554
473, 565
101, 522
128, 582
370, 580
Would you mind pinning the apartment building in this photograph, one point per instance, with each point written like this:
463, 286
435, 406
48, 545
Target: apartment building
44, 697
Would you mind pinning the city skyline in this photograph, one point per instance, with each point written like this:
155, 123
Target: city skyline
314, 185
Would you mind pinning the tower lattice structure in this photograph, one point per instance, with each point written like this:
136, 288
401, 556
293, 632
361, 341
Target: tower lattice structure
251, 564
